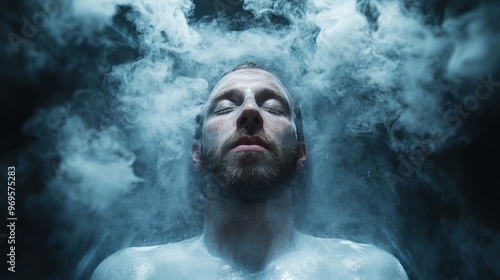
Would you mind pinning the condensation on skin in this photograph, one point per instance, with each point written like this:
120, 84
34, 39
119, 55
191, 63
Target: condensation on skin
352, 82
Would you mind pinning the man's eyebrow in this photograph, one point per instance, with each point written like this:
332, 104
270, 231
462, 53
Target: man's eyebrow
268, 92
212, 103
223, 95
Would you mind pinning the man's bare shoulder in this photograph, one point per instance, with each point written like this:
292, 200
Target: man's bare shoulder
356, 259
144, 262
129, 263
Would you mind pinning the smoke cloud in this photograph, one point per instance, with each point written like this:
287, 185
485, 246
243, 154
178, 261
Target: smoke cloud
388, 92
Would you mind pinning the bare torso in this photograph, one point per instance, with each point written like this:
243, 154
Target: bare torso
310, 258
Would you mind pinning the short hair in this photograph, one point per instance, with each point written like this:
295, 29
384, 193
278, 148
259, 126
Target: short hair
245, 65
296, 116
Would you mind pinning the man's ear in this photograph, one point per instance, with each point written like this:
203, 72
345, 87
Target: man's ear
196, 156
301, 162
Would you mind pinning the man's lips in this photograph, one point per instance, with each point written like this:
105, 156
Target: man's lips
250, 144
249, 148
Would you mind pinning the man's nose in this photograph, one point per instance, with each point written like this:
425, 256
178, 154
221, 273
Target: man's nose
250, 117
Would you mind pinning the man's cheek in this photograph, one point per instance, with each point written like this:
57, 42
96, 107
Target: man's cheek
287, 134
212, 131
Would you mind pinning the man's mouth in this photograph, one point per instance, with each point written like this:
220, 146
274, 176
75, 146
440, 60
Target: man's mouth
250, 144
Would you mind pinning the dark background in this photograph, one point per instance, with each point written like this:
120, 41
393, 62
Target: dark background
429, 218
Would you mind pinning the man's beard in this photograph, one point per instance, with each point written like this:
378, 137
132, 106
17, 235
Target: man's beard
250, 176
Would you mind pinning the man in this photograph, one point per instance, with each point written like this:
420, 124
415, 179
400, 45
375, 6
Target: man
250, 145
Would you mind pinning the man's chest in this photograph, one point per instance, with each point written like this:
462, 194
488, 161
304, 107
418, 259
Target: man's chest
300, 268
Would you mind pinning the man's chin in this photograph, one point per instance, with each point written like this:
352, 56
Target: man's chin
250, 175
253, 182
249, 156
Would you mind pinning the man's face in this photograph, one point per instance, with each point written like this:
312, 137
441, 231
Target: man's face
249, 141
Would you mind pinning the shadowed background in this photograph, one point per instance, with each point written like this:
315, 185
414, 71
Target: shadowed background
400, 111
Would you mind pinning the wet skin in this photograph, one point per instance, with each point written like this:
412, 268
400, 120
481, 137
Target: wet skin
252, 238
309, 258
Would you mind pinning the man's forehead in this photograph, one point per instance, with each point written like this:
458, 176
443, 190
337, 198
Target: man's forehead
249, 78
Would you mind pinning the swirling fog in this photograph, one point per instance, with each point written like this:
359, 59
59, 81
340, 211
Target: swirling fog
402, 146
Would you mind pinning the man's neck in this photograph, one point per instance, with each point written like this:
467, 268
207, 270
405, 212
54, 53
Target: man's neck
249, 234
